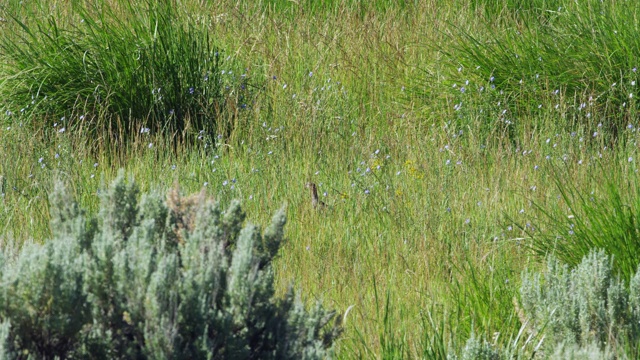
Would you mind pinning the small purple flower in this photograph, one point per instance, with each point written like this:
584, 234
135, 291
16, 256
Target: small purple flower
366, 191
191, 90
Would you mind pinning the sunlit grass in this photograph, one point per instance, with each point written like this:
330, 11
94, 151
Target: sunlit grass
426, 183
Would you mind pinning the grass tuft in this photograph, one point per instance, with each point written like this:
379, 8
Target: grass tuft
110, 67
586, 51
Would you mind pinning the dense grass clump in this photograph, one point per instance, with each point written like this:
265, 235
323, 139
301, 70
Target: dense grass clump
99, 67
606, 218
586, 51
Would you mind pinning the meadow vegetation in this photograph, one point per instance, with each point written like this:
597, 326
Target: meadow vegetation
457, 144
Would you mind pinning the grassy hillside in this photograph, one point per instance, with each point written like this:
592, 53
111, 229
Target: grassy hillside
454, 143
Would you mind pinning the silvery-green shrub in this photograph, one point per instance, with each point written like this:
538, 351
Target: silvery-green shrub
571, 351
172, 278
577, 309
476, 349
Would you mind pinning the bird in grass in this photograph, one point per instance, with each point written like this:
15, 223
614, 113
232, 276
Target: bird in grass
315, 201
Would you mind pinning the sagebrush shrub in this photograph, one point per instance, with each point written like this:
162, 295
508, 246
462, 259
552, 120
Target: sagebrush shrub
582, 313
476, 349
585, 307
153, 279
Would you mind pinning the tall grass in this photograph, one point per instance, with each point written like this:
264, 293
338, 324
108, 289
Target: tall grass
606, 218
587, 51
522, 10
110, 67
321, 7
